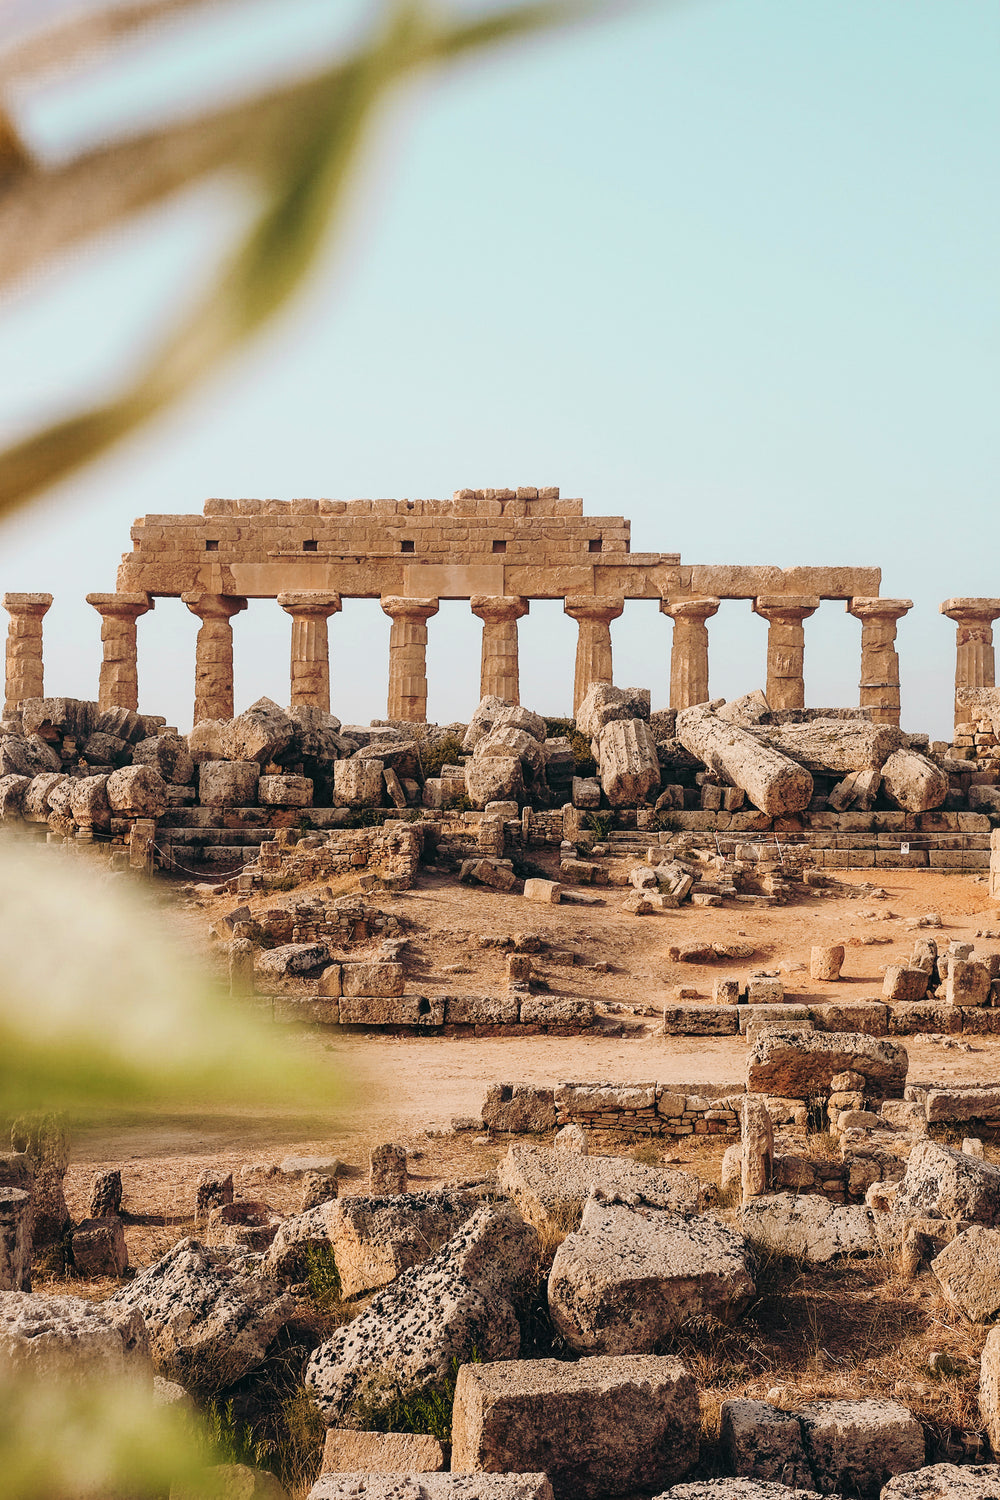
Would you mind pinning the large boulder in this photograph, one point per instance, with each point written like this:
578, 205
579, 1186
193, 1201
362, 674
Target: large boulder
44, 1141
421, 1486
630, 1276
600, 1427
297, 1237
969, 1272
358, 782
808, 1227
913, 782
456, 1306
941, 1183
35, 800
15, 1239
375, 1239
261, 733
628, 762
168, 754
26, 756
857, 1446
137, 792
760, 1441
551, 1187
492, 712
494, 778
946, 1482
12, 790
604, 703
88, 803
228, 783
801, 1065
208, 1323
56, 719
835, 746
68, 1338
507, 741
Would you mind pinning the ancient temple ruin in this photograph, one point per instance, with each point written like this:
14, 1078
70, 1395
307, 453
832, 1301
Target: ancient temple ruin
499, 549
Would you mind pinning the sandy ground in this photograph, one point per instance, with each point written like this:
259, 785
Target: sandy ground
408, 1088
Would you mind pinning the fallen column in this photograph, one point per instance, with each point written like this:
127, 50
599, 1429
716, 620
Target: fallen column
834, 746
774, 783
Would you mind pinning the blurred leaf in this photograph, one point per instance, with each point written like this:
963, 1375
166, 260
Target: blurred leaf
327, 121
63, 1440
100, 1008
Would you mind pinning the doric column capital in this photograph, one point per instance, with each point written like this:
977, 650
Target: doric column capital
877, 608
971, 611
786, 607
307, 604
121, 606
399, 608
601, 608
27, 604
214, 606
690, 609
494, 609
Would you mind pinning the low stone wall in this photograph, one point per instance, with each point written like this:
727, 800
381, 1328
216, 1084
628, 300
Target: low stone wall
632, 1109
457, 1015
867, 1017
390, 853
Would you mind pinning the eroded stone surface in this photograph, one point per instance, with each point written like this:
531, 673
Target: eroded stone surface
551, 1187
68, 1338
969, 1273
942, 1183
946, 1482
376, 1238
859, 1445
808, 1227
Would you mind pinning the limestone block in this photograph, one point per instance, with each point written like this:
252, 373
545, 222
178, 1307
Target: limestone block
481, 1010
586, 792
376, 1238
206, 740
422, 1486
756, 1147
290, 960
67, 1338
946, 1482
15, 1240
433, 1314
605, 704
800, 1065
700, 1020
44, 1140
954, 1105
557, 1010
168, 754
443, 791
858, 1445
35, 801
968, 983
546, 892
12, 790
826, 961
261, 733
387, 1172
98, 1247
395, 1010
726, 990
807, 1227
105, 1194
285, 791
901, 982
989, 1387
287, 1256
494, 778
506, 741
942, 1183
835, 746
89, 803
519, 1108
773, 782
208, 1324
601, 1427
493, 711
228, 783
137, 791
376, 979
969, 1272
381, 1453
27, 756
913, 782
630, 1276
232, 1482
759, 1441
358, 782
571, 1138
762, 989
629, 762
551, 1187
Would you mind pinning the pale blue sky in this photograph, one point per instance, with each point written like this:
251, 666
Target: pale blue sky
727, 268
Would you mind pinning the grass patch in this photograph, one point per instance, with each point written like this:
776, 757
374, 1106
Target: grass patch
426, 1412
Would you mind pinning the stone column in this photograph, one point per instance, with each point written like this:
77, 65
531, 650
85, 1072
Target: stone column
119, 681
879, 659
689, 652
593, 613
785, 646
499, 677
24, 647
408, 656
310, 668
975, 666
213, 670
